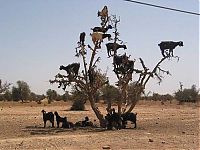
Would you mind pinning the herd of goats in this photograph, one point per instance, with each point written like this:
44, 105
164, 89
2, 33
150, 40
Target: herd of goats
121, 62
122, 65
113, 120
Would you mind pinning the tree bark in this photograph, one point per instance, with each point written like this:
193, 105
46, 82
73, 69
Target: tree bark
97, 112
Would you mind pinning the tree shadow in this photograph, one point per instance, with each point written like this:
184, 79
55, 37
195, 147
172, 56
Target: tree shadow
38, 130
75, 110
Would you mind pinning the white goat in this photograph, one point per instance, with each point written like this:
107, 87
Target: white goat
97, 37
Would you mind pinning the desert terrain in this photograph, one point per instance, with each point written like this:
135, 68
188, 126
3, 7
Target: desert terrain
168, 126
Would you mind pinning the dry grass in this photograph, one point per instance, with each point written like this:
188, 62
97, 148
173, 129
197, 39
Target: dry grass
168, 126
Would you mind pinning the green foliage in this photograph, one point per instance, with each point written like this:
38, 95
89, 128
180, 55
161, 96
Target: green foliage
78, 105
8, 96
66, 96
33, 96
4, 87
187, 95
79, 99
159, 97
132, 90
110, 93
21, 92
51, 95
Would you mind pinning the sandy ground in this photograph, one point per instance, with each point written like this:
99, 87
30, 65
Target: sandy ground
168, 126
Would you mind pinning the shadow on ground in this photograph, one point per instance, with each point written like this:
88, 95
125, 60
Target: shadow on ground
38, 130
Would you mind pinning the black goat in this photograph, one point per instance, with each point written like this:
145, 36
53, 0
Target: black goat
113, 120
119, 60
82, 38
169, 45
59, 119
67, 124
48, 116
129, 66
84, 123
129, 117
113, 47
71, 68
101, 29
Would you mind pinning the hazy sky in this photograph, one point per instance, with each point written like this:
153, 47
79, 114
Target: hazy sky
37, 36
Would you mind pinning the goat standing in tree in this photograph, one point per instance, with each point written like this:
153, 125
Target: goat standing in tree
97, 38
82, 38
103, 13
169, 45
101, 29
71, 68
113, 47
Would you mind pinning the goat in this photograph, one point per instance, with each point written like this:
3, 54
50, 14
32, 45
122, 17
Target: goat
103, 13
129, 117
169, 45
84, 123
59, 119
87, 122
113, 47
71, 68
119, 60
82, 38
101, 29
113, 120
67, 124
48, 116
97, 38
129, 66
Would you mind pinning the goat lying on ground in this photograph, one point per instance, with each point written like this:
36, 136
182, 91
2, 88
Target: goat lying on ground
97, 38
67, 124
113, 120
84, 123
71, 68
48, 116
129, 117
113, 47
101, 29
169, 45
59, 119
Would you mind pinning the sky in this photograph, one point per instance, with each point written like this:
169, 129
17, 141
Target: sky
36, 37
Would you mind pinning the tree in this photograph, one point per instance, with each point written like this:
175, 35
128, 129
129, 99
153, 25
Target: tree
110, 93
66, 96
21, 92
90, 80
8, 95
51, 95
187, 95
4, 86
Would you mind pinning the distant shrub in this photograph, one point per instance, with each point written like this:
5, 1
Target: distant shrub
187, 95
78, 105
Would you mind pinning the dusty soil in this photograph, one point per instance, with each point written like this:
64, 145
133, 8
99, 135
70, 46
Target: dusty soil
168, 126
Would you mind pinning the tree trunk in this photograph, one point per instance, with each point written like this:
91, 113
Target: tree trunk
134, 102
97, 112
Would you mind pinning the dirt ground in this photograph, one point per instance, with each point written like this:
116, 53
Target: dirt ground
168, 126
